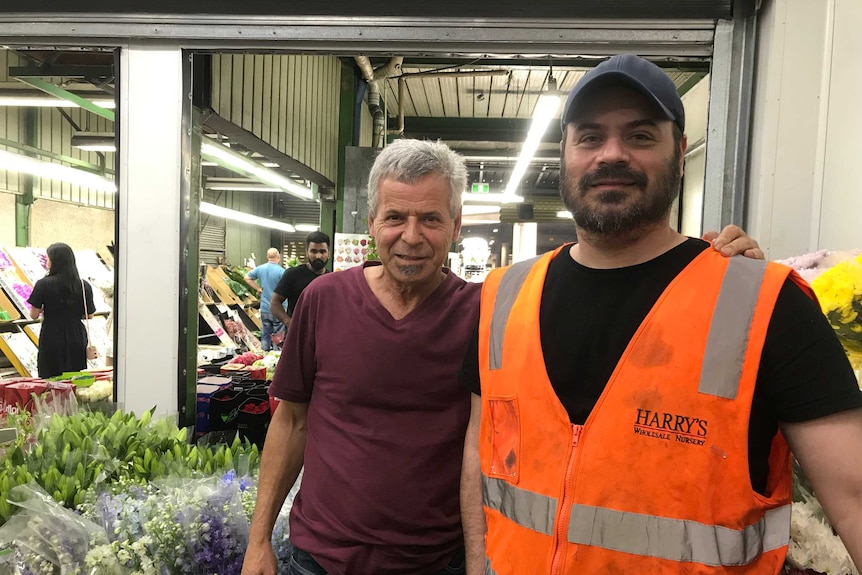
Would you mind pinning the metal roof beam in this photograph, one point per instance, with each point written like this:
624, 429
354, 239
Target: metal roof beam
251, 142
342, 35
474, 129
62, 71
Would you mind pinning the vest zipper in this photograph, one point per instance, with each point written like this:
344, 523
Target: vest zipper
562, 525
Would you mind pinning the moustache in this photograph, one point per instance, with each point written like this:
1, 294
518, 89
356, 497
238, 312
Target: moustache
615, 172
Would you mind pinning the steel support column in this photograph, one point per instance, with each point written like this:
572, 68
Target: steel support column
151, 210
189, 240
24, 200
333, 214
729, 120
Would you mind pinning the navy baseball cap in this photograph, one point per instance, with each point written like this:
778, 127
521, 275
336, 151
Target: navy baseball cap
636, 72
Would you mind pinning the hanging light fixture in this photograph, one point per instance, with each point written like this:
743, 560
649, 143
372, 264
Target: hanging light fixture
229, 159
245, 218
50, 170
547, 108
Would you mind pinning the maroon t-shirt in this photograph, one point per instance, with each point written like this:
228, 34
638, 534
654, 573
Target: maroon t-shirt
386, 424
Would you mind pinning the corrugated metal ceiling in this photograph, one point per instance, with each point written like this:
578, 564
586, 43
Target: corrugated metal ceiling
506, 92
485, 114
439, 8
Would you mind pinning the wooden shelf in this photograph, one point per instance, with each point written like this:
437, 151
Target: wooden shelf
9, 307
215, 278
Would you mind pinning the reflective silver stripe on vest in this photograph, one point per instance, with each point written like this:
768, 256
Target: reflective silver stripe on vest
676, 539
488, 569
510, 285
526, 508
730, 327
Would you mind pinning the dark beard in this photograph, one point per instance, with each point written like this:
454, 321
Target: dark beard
648, 211
318, 264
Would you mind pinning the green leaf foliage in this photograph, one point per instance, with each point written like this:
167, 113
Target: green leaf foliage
73, 456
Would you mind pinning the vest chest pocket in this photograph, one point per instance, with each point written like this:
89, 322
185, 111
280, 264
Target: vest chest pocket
506, 438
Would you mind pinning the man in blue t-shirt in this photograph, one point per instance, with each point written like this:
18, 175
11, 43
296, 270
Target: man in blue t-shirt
267, 275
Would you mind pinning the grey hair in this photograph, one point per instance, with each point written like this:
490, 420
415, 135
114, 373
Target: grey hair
408, 161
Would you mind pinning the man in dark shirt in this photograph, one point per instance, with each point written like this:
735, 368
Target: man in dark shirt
295, 280
621, 163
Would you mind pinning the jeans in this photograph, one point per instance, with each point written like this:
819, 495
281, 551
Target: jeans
301, 563
269, 326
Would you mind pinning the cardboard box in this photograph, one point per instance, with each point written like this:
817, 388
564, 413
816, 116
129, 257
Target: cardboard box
4, 383
60, 391
256, 373
206, 387
18, 396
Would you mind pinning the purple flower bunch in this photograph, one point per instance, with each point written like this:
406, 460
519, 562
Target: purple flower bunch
184, 527
220, 545
23, 290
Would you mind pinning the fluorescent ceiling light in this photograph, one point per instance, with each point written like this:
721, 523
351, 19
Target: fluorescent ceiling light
546, 109
474, 210
307, 227
479, 219
564, 214
241, 188
510, 159
221, 212
97, 147
42, 169
48, 102
240, 164
94, 141
491, 198
238, 185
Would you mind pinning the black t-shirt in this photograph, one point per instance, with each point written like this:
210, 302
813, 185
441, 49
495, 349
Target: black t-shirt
292, 282
59, 304
803, 375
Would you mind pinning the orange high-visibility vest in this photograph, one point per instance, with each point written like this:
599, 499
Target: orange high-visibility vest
657, 479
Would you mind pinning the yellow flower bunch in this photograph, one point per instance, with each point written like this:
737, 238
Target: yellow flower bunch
839, 290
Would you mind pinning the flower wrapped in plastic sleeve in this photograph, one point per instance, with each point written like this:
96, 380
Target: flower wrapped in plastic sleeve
839, 290
281, 531
44, 537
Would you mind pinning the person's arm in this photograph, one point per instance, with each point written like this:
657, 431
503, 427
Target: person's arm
472, 513
734, 241
36, 300
276, 308
280, 464
249, 280
829, 449
90, 302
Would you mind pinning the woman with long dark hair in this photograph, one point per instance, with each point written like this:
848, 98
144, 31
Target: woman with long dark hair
59, 299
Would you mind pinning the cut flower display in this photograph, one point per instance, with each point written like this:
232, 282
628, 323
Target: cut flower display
839, 290
836, 278
194, 527
84, 493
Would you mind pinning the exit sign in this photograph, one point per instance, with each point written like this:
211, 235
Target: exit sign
480, 188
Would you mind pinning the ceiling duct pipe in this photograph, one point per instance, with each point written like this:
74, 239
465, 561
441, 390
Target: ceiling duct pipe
373, 77
400, 130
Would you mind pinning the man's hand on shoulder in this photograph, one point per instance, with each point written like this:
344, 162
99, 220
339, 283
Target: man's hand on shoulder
733, 241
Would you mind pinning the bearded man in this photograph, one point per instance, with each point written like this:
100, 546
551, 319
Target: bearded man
636, 395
